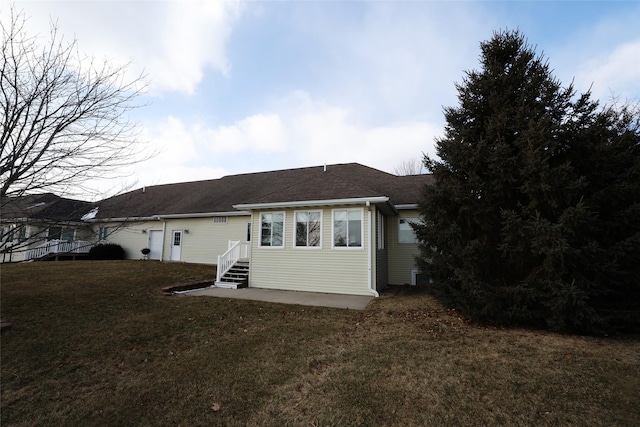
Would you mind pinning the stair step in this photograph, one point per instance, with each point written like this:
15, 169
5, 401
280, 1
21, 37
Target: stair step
236, 277
231, 285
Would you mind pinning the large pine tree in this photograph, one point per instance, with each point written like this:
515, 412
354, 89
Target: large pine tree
535, 215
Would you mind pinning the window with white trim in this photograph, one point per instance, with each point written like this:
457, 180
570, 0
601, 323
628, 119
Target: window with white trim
347, 228
380, 233
308, 226
103, 232
272, 229
406, 233
220, 219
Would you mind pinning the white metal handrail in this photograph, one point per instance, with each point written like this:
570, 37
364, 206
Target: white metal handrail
237, 250
57, 246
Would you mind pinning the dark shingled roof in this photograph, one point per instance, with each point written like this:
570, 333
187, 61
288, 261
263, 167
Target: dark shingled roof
339, 181
46, 206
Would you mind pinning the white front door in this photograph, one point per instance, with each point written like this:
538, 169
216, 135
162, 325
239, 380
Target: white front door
176, 243
155, 244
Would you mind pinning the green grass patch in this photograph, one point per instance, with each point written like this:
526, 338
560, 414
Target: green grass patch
96, 343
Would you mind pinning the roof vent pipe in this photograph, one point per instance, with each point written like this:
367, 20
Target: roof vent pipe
325, 167
144, 189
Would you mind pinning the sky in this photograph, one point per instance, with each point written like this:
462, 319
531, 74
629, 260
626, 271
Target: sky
239, 87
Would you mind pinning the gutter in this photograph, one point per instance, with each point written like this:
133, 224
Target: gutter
369, 250
126, 219
204, 215
172, 216
301, 203
407, 206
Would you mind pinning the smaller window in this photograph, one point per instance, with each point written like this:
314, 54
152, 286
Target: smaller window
68, 234
347, 228
272, 229
54, 233
248, 232
381, 236
9, 235
220, 219
406, 233
22, 233
308, 229
103, 232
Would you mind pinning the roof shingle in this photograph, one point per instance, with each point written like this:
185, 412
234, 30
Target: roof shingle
339, 181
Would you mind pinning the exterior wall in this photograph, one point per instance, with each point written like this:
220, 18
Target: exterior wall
205, 239
132, 236
381, 258
401, 256
36, 235
203, 242
324, 269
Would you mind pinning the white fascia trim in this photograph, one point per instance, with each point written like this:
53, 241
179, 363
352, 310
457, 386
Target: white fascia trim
127, 219
302, 203
205, 214
171, 216
407, 206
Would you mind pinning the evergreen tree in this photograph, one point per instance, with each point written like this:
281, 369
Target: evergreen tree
535, 215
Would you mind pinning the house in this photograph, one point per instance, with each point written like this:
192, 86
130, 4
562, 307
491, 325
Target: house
42, 225
342, 228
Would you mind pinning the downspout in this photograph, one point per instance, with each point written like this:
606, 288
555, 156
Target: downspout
370, 251
164, 226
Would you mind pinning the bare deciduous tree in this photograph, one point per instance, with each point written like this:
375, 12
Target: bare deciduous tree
409, 167
64, 116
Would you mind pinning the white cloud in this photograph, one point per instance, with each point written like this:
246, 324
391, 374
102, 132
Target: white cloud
603, 56
616, 73
261, 132
329, 134
173, 41
179, 157
297, 132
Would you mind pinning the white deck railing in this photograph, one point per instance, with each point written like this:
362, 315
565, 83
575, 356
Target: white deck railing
237, 250
58, 247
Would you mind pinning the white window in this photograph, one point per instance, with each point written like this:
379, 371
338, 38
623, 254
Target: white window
406, 234
103, 232
380, 233
308, 229
272, 229
9, 236
220, 219
347, 228
68, 234
22, 233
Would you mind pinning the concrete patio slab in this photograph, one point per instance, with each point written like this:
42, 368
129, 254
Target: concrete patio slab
353, 302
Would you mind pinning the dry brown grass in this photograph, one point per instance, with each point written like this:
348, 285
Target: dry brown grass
95, 343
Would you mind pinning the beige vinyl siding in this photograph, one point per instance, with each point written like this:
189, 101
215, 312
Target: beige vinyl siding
202, 244
401, 256
132, 236
205, 239
324, 269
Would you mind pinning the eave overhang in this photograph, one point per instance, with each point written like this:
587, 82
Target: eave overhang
313, 203
170, 216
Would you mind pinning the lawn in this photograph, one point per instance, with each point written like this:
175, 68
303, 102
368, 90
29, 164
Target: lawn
96, 343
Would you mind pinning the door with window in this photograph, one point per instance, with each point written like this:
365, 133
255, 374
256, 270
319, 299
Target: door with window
176, 244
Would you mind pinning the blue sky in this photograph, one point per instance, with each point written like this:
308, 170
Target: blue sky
241, 87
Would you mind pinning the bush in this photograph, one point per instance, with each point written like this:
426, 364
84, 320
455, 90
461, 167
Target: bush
107, 251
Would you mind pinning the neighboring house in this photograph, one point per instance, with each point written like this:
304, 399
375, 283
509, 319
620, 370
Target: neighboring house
41, 225
343, 228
